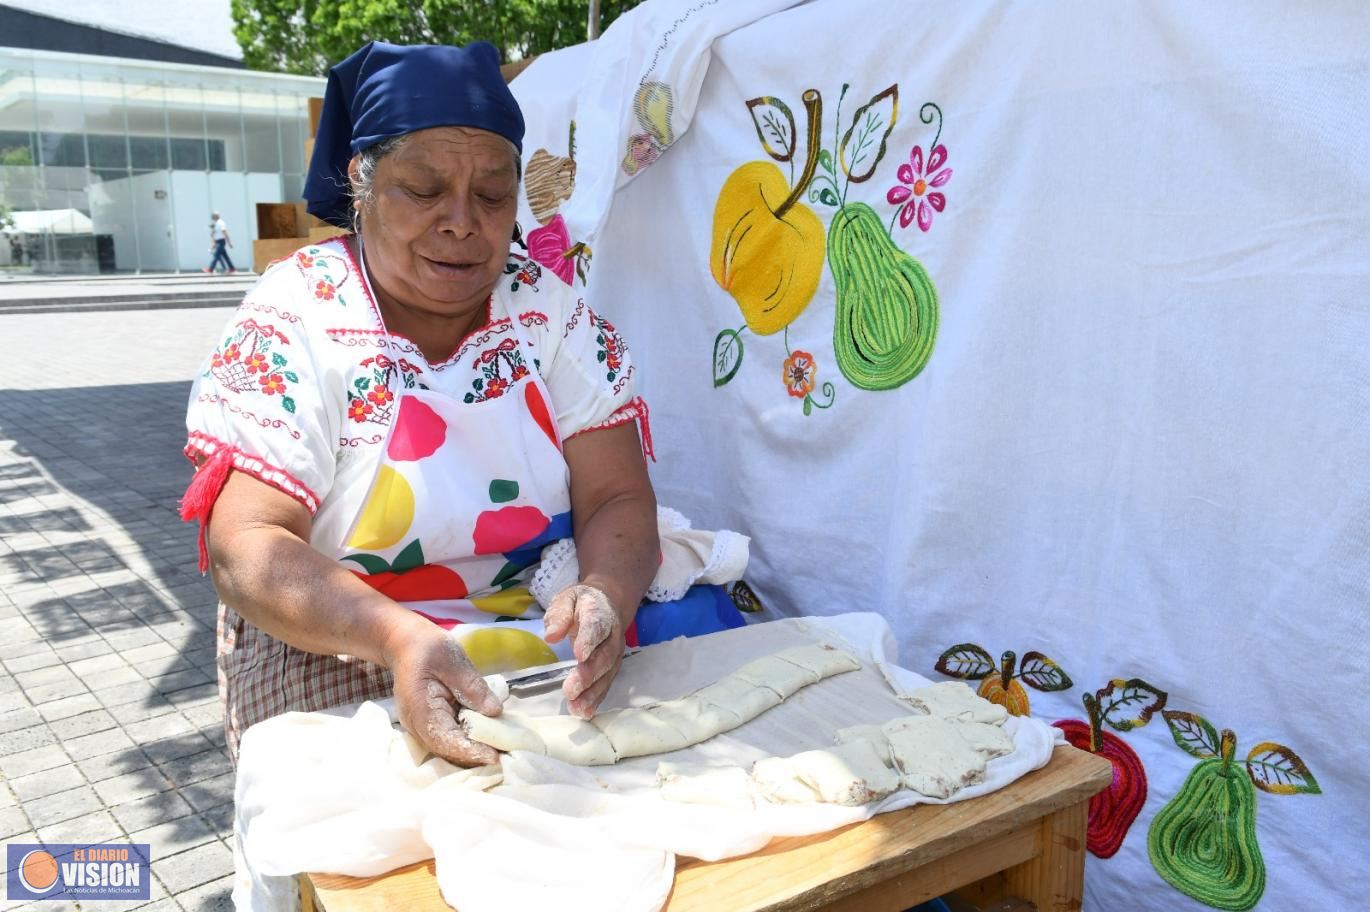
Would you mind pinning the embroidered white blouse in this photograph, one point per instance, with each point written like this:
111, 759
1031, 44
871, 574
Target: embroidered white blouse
301, 387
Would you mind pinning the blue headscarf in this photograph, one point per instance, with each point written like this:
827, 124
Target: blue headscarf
387, 90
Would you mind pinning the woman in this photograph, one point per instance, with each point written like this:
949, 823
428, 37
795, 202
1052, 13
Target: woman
396, 422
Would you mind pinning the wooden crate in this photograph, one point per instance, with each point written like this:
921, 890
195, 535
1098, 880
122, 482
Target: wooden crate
269, 250
279, 220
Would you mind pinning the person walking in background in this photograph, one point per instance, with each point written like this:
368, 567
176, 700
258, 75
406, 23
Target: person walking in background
16, 251
218, 241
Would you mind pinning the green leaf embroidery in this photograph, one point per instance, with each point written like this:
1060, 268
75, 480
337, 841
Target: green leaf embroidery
774, 124
1276, 769
967, 661
1129, 704
867, 123
291, 376
288, 404
727, 356
827, 197
371, 563
825, 161
363, 383
1192, 733
278, 359
1039, 672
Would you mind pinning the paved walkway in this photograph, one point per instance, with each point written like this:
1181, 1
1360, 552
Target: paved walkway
110, 728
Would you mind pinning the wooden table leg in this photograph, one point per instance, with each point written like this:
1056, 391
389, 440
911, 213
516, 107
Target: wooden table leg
1054, 880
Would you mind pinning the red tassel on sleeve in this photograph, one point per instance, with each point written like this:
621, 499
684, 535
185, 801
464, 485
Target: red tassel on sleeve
203, 491
645, 429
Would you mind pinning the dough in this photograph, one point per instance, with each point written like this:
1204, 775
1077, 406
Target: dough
639, 732
932, 758
955, 700
849, 774
990, 740
773, 672
667, 726
722, 786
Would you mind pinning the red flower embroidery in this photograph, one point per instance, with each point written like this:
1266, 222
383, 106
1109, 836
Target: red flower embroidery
798, 373
324, 291
272, 383
305, 259
381, 395
231, 353
358, 410
256, 362
496, 387
216, 361
519, 373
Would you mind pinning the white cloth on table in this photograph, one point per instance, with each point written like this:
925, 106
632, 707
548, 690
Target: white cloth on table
345, 792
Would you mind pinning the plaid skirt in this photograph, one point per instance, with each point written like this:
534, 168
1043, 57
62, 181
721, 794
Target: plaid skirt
261, 677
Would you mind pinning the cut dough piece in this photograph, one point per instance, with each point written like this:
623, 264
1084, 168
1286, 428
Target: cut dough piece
850, 774
742, 698
990, 740
956, 701
722, 786
932, 758
823, 660
698, 720
785, 678
509, 731
637, 732
575, 741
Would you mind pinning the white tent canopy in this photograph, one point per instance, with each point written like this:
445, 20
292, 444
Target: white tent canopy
49, 221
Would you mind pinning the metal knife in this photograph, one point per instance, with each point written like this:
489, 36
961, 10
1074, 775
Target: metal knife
540, 675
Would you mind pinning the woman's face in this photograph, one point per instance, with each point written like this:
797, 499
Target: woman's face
438, 227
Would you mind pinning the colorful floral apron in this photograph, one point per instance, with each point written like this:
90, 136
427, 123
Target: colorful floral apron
464, 498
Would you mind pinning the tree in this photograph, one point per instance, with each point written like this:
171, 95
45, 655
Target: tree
308, 36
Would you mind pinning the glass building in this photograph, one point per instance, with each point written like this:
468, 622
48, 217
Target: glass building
114, 165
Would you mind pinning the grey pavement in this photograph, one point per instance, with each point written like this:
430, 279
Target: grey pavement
110, 725
51, 294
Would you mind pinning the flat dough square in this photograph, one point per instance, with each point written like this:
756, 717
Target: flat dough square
990, 740
932, 758
956, 701
785, 678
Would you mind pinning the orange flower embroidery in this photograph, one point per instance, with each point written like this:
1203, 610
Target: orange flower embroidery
798, 374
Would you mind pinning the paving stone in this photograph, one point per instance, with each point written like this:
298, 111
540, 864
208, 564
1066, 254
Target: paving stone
99, 744
151, 810
33, 661
196, 867
21, 763
132, 786
13, 699
117, 694
159, 727
212, 897
85, 724
115, 763
20, 718
204, 715
48, 692
165, 750
196, 767
72, 653
68, 707
221, 819
62, 806
129, 713
107, 661
47, 782
12, 822
205, 691
150, 653
209, 793
113, 677
93, 828
171, 684
175, 836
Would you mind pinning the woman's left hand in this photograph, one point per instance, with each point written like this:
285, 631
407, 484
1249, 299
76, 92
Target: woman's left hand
585, 614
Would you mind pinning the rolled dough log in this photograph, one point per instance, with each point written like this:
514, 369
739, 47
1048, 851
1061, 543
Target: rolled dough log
784, 678
723, 786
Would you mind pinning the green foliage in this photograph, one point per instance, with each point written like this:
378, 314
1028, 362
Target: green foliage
308, 36
16, 155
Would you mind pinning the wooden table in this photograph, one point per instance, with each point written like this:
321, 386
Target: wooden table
1026, 840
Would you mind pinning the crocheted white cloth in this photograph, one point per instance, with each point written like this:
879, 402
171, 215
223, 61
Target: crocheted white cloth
688, 557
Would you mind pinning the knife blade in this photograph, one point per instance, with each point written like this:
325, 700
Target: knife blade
540, 675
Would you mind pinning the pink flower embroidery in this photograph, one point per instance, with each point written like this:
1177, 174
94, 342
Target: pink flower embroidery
799, 373
381, 395
255, 362
913, 194
272, 384
231, 353
324, 291
548, 245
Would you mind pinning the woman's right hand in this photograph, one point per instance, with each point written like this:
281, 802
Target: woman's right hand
432, 675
